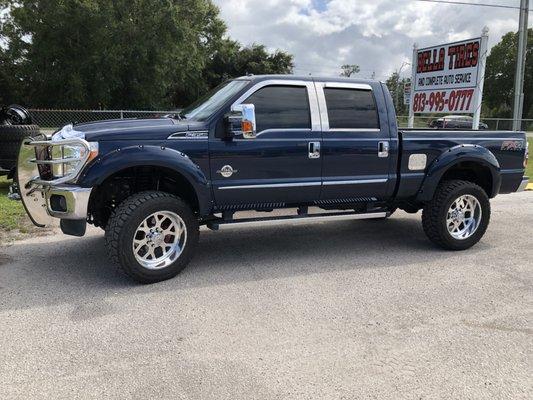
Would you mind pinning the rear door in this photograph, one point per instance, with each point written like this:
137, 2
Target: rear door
282, 164
355, 145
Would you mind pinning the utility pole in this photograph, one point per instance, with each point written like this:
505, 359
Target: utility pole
518, 103
481, 76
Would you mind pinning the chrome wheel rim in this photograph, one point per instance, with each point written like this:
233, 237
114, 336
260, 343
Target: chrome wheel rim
464, 217
159, 240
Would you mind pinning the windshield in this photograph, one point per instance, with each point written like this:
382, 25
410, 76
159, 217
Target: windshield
206, 105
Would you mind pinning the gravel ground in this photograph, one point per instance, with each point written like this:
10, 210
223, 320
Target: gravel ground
340, 310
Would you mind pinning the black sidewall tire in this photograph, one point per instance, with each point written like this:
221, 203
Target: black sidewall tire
125, 254
15, 133
444, 238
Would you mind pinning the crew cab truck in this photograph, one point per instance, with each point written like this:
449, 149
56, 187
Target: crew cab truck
262, 143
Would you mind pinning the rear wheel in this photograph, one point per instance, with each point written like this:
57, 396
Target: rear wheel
152, 236
458, 215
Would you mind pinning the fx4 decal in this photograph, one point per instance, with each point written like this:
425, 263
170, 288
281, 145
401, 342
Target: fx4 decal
512, 145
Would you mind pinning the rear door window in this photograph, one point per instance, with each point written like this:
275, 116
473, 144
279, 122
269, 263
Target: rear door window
351, 109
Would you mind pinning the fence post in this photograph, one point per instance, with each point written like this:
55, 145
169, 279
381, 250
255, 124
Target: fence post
121, 114
497, 123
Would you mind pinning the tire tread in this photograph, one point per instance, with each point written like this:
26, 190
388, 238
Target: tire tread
118, 220
430, 215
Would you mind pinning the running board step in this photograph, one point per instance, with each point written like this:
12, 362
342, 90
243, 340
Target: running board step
214, 225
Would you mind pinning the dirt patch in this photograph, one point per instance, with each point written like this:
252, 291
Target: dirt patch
26, 230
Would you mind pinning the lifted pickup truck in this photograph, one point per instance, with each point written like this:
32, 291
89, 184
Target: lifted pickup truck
261, 143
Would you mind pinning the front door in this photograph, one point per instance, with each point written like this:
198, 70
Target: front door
282, 163
356, 164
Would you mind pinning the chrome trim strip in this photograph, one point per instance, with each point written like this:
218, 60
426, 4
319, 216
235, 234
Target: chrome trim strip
355, 130
459, 138
324, 118
284, 130
309, 219
523, 184
351, 139
322, 104
186, 135
311, 93
56, 161
348, 85
280, 139
271, 185
409, 174
354, 182
512, 171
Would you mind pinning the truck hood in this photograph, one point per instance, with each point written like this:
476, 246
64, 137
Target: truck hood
136, 129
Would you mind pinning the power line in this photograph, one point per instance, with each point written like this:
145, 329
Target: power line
464, 3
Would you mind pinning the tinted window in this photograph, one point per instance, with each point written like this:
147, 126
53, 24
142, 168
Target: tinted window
281, 107
351, 108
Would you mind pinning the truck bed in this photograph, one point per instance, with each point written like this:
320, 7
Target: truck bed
507, 146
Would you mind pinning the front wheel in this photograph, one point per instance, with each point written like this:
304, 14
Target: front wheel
152, 236
458, 215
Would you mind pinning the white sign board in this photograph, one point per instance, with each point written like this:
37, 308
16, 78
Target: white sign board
407, 93
446, 78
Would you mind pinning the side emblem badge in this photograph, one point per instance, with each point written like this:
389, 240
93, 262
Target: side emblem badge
226, 171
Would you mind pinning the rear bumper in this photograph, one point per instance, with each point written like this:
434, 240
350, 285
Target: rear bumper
523, 184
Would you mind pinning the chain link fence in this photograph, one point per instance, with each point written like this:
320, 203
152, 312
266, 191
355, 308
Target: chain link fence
54, 119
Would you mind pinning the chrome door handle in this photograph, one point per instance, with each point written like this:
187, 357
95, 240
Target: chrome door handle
383, 149
314, 149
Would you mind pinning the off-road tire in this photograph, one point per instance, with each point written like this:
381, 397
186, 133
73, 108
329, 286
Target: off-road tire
15, 133
123, 224
435, 212
10, 138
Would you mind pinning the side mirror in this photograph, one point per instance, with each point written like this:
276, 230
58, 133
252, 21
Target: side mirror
241, 120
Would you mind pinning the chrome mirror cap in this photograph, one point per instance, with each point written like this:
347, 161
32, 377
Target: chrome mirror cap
247, 116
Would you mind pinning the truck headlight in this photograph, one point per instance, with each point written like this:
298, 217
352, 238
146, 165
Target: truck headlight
64, 161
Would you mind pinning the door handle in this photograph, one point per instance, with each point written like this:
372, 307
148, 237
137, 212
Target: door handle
314, 149
383, 149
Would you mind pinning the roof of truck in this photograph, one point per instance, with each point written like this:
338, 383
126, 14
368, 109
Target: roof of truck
305, 78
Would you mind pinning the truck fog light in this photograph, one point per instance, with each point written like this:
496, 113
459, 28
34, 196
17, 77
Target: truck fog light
58, 203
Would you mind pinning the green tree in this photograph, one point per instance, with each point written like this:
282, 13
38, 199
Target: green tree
498, 89
396, 89
119, 54
231, 60
349, 69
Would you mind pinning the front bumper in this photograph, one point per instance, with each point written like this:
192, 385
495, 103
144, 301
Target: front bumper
44, 200
67, 202
523, 184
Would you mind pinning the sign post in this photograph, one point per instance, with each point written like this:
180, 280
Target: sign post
448, 78
411, 120
481, 77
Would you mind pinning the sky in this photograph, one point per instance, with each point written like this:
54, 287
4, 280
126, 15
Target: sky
377, 35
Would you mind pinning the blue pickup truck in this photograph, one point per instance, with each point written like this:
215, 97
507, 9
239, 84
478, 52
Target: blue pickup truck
318, 148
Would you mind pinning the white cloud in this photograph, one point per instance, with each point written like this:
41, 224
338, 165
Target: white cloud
378, 35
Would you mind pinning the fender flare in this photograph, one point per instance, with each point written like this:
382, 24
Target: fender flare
155, 156
455, 155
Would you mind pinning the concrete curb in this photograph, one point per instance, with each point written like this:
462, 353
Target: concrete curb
529, 186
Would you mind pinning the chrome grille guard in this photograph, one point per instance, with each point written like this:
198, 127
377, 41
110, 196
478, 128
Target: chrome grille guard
44, 160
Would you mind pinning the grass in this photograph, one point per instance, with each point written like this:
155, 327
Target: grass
529, 170
12, 214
